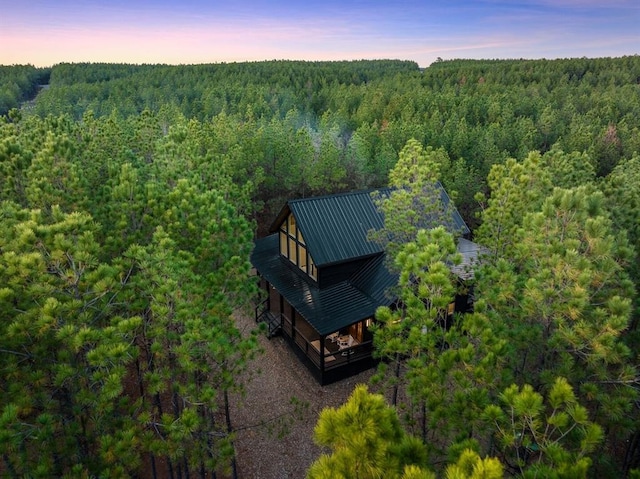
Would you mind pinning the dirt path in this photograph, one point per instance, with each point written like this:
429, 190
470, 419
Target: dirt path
275, 420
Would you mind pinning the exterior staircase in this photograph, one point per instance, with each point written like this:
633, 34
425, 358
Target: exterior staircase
271, 319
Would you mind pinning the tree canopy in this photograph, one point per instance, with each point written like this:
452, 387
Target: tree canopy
130, 196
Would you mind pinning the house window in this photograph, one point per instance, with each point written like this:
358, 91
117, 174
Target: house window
293, 246
302, 257
283, 243
293, 250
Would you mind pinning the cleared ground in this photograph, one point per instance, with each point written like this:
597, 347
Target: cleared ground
275, 419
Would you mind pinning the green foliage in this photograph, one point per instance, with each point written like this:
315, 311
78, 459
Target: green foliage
568, 170
564, 303
118, 326
446, 366
622, 192
52, 177
550, 437
295, 121
516, 188
129, 201
66, 350
366, 440
190, 353
575, 290
204, 91
471, 466
429, 355
416, 200
17, 84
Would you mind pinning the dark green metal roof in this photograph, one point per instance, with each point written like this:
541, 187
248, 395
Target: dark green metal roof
328, 309
345, 303
335, 227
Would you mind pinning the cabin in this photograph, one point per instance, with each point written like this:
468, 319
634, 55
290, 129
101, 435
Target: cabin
324, 279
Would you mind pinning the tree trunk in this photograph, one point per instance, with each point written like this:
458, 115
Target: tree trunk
632, 454
227, 414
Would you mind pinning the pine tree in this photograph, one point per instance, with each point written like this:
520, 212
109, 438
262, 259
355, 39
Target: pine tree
366, 439
190, 279
66, 350
53, 177
544, 437
415, 201
516, 188
564, 302
444, 365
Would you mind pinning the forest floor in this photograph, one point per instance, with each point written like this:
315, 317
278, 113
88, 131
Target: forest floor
276, 416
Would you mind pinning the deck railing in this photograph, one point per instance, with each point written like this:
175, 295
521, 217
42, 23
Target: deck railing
331, 359
261, 308
271, 319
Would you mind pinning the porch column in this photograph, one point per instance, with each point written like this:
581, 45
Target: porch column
322, 338
268, 295
293, 322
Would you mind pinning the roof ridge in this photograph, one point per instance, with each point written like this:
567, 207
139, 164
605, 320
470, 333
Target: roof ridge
341, 194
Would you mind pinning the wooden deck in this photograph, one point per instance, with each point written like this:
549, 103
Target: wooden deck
332, 363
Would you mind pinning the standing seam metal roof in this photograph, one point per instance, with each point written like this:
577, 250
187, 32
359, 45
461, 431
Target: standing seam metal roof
336, 227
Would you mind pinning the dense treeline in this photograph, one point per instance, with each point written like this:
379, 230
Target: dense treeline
203, 91
131, 193
124, 255
18, 83
543, 372
480, 112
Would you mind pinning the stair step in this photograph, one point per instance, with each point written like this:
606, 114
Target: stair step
274, 323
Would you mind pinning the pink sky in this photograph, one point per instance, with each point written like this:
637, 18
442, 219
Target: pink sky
197, 31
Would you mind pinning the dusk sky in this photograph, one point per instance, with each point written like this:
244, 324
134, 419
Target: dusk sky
43, 33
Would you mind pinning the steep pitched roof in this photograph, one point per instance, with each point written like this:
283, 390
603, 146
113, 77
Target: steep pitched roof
335, 227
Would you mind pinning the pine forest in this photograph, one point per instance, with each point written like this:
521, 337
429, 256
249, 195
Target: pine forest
131, 196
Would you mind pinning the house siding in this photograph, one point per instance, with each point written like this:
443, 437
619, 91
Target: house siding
331, 275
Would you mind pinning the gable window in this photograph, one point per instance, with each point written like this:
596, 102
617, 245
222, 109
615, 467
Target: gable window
293, 246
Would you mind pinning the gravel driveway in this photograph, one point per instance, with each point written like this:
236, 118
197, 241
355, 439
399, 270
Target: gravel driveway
275, 419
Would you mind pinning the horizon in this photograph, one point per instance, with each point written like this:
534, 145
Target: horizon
266, 60
195, 32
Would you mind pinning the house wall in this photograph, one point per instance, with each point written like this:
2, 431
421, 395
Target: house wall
330, 275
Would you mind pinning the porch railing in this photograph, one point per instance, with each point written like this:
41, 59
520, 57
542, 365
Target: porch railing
261, 308
331, 359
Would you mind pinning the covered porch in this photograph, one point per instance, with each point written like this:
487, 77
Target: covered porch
329, 356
